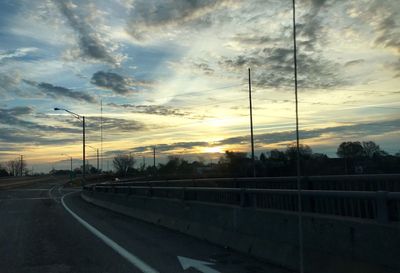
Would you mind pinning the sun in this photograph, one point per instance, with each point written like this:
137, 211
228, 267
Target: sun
213, 150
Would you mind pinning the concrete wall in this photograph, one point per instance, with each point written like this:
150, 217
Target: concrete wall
331, 244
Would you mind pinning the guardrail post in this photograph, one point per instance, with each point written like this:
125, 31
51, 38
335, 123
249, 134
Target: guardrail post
184, 195
244, 202
382, 214
150, 191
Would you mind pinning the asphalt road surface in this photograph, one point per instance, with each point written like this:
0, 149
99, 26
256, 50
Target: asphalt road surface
48, 228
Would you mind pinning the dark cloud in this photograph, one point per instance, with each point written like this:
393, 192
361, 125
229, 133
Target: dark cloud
253, 39
396, 67
91, 45
356, 131
15, 54
204, 67
389, 29
354, 62
115, 82
9, 84
271, 55
58, 92
384, 19
389, 32
160, 110
351, 132
17, 111
171, 147
111, 125
273, 67
16, 127
15, 135
18, 117
152, 15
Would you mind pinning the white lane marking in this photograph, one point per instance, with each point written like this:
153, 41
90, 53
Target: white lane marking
142, 266
27, 190
201, 266
59, 190
51, 196
31, 198
49, 192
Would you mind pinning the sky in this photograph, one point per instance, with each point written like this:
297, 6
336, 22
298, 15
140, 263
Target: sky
174, 74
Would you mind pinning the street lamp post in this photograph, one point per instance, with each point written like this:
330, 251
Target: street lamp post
82, 118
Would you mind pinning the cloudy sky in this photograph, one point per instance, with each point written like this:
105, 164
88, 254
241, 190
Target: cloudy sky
173, 73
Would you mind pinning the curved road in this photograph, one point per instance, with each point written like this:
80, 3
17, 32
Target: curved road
48, 228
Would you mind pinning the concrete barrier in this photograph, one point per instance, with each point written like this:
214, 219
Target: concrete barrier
331, 244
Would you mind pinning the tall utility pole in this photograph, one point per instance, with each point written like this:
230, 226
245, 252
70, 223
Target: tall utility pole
101, 134
251, 127
154, 157
71, 166
22, 160
300, 220
84, 149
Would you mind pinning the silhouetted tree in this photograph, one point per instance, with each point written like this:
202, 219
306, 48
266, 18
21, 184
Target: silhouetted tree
372, 150
14, 167
291, 152
3, 171
122, 163
263, 158
236, 163
277, 155
350, 150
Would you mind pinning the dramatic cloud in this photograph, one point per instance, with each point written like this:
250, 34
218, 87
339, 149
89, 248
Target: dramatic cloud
58, 92
273, 67
17, 111
384, 21
270, 55
160, 110
352, 132
354, 62
14, 135
21, 116
9, 83
92, 44
111, 125
171, 147
16, 53
160, 66
115, 82
150, 16
16, 122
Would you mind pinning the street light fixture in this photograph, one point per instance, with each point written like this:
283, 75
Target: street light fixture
82, 118
97, 152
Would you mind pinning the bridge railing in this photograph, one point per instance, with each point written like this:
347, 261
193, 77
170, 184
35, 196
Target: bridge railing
374, 182
380, 206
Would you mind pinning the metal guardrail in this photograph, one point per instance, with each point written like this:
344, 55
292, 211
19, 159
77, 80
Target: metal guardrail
380, 206
376, 182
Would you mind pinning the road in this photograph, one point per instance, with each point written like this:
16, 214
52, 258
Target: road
48, 228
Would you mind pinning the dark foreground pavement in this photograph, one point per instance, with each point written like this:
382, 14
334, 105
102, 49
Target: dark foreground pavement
38, 234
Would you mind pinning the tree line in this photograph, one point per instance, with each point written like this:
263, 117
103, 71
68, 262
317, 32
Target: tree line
353, 158
14, 167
